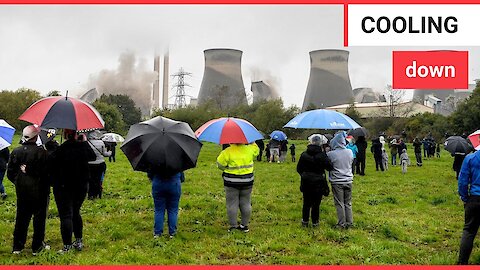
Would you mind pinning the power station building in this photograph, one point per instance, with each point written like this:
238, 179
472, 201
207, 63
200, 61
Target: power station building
329, 82
222, 81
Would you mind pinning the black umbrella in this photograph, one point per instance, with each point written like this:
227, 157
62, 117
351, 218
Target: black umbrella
357, 132
161, 145
457, 145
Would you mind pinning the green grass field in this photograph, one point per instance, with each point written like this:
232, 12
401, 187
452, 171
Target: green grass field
415, 218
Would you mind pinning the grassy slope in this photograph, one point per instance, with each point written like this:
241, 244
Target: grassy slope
415, 218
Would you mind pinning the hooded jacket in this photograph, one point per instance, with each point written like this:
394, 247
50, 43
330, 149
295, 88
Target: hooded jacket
32, 183
341, 159
376, 148
469, 178
311, 167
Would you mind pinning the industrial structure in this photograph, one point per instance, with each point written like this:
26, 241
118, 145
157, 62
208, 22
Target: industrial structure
262, 91
222, 81
179, 88
156, 83
367, 95
329, 82
156, 94
90, 96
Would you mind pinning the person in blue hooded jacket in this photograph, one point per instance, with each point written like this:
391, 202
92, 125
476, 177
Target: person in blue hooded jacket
341, 179
469, 190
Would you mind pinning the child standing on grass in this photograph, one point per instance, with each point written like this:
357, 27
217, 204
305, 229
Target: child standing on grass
385, 159
404, 161
292, 152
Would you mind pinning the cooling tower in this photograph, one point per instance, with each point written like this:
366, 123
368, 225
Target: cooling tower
90, 96
329, 82
367, 95
419, 95
222, 80
262, 91
156, 83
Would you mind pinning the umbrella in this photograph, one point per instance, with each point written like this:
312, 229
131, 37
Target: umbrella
6, 134
457, 145
112, 137
278, 135
322, 119
475, 139
162, 145
357, 132
228, 130
63, 112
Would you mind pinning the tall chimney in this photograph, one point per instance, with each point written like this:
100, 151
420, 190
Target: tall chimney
329, 82
222, 80
165, 80
156, 84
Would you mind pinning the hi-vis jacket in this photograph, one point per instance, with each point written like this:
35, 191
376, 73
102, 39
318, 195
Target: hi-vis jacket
236, 162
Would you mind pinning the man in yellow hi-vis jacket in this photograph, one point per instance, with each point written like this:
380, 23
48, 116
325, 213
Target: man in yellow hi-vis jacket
236, 162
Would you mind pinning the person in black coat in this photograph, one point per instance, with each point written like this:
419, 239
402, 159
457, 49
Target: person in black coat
311, 167
417, 148
26, 170
362, 145
70, 186
261, 146
457, 162
376, 149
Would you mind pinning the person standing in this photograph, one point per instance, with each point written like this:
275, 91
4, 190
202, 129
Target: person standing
26, 170
166, 192
261, 146
417, 148
385, 159
70, 186
469, 191
394, 151
341, 179
4, 156
97, 167
376, 149
283, 150
313, 183
457, 163
352, 147
267, 152
111, 146
292, 152
236, 162
404, 161
274, 150
401, 146
362, 145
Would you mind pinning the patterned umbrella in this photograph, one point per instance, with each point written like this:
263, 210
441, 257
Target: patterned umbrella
228, 130
6, 134
63, 112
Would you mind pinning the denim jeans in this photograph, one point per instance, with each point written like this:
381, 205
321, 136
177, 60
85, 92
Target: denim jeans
166, 196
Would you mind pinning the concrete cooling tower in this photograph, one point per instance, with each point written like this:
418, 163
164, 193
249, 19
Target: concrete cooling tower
262, 91
367, 95
329, 82
222, 80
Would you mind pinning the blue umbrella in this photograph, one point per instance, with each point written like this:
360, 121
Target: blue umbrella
6, 134
322, 119
278, 135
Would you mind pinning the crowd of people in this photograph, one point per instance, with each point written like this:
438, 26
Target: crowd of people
76, 168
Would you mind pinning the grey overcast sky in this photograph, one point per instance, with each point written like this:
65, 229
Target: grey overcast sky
50, 47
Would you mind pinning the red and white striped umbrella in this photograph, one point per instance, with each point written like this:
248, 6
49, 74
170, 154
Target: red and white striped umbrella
63, 112
475, 139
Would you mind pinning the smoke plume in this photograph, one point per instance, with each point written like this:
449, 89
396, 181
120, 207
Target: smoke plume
131, 78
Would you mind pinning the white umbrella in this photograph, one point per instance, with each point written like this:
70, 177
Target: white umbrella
112, 137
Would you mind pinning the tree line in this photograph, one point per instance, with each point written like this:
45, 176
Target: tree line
120, 112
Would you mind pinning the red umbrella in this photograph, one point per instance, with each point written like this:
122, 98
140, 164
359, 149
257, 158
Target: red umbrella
228, 130
63, 112
475, 139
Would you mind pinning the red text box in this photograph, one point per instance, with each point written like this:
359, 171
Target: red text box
430, 70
